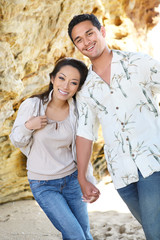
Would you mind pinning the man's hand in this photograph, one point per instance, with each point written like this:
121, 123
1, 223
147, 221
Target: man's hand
84, 148
90, 192
36, 122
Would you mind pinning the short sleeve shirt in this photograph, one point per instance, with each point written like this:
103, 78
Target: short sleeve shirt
128, 112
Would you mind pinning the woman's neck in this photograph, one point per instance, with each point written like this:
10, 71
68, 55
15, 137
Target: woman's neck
58, 104
57, 110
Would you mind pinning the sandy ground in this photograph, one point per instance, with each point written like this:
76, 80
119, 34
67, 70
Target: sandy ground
109, 219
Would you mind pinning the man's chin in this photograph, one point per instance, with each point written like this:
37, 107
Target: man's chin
90, 56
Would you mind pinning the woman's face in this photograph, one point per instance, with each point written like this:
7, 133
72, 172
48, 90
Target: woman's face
66, 83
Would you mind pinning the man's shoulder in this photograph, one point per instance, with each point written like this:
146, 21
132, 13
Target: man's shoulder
88, 79
83, 92
129, 54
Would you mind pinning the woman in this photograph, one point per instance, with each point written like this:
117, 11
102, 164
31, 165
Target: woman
44, 130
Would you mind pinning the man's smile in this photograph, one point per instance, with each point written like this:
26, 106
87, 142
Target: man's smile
90, 48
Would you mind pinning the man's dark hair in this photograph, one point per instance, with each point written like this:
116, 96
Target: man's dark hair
81, 18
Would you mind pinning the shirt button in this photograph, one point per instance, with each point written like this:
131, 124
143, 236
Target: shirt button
132, 155
111, 92
117, 108
127, 139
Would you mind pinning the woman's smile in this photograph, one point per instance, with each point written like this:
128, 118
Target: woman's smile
62, 92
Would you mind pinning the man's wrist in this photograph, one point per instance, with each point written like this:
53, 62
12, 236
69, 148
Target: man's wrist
82, 178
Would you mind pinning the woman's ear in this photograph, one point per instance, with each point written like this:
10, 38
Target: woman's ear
52, 80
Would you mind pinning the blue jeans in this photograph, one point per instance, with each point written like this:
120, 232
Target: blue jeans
61, 200
143, 200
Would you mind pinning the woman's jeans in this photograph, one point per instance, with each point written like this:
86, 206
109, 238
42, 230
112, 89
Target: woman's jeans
143, 200
61, 200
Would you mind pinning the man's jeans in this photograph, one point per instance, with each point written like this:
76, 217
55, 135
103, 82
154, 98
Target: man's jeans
61, 200
143, 200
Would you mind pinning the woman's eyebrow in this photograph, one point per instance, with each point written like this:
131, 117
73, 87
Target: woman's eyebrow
72, 78
62, 74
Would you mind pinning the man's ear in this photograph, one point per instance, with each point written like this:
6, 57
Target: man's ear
103, 31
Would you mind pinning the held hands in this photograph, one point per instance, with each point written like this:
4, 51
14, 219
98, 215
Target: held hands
90, 192
36, 122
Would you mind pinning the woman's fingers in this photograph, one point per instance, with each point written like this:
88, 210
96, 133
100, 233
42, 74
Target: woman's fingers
43, 121
36, 122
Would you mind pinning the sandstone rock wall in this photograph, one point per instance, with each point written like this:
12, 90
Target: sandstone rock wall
33, 35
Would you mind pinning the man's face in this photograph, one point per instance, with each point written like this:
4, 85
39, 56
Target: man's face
88, 39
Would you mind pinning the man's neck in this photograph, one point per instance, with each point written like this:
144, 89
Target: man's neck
102, 65
102, 61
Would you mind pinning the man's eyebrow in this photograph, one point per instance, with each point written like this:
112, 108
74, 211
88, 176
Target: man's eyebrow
76, 38
89, 30
85, 33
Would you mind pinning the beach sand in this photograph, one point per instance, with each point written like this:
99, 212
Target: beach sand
109, 219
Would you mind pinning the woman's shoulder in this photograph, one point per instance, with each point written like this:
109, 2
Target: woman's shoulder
30, 100
29, 103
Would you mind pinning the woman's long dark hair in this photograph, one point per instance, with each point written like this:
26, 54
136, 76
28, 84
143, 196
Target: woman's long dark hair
79, 65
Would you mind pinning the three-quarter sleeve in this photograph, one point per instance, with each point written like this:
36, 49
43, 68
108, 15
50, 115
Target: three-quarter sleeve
20, 136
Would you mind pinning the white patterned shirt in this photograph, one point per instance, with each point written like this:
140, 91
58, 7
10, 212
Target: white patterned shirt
128, 112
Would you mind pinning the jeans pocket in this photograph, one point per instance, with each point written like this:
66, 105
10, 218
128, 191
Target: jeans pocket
36, 184
75, 175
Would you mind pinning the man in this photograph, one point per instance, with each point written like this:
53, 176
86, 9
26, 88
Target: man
120, 94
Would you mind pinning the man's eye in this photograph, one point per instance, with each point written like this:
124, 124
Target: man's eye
90, 33
78, 41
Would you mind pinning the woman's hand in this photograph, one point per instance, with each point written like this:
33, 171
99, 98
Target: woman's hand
36, 122
89, 191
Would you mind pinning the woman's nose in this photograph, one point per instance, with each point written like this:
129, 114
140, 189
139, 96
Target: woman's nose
66, 84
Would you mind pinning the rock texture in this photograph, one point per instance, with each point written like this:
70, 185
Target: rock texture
33, 35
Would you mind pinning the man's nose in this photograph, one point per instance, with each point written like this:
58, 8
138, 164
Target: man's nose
86, 41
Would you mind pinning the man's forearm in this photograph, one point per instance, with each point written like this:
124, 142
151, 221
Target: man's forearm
84, 150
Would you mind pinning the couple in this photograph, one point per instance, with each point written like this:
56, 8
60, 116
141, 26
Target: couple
120, 94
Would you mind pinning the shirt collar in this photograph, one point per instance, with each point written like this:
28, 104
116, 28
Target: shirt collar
117, 56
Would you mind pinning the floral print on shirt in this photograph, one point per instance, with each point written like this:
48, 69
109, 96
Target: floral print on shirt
129, 114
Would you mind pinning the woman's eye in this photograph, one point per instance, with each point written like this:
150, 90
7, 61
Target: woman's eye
61, 78
74, 83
